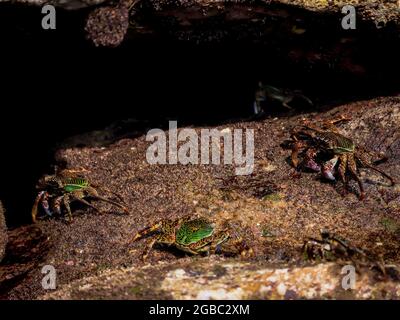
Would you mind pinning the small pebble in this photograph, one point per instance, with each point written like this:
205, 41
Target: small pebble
281, 289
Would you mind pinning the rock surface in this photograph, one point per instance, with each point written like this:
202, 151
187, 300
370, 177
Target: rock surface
387, 5
26, 248
3, 233
66, 4
226, 280
380, 12
275, 209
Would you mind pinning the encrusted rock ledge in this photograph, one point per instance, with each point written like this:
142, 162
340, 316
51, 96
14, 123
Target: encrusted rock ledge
378, 10
226, 280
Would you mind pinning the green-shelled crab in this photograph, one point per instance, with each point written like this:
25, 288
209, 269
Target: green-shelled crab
326, 150
66, 186
193, 236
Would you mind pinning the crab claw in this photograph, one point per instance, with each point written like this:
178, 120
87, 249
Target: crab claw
328, 175
311, 164
309, 160
136, 237
328, 169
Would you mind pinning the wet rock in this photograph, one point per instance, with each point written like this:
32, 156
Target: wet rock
277, 209
3, 232
108, 25
27, 246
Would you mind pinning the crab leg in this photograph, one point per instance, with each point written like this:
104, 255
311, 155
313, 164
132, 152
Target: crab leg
92, 192
286, 102
225, 243
217, 242
380, 171
67, 206
256, 108
87, 203
149, 247
109, 191
40, 198
45, 204
306, 99
353, 170
185, 218
111, 202
342, 169
331, 124
295, 152
57, 204
35, 206
146, 231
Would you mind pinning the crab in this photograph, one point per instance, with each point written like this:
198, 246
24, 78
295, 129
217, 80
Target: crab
64, 187
330, 247
282, 96
193, 236
336, 152
333, 248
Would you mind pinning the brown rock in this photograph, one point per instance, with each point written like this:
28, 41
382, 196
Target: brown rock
66, 4
3, 232
280, 216
108, 25
229, 280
